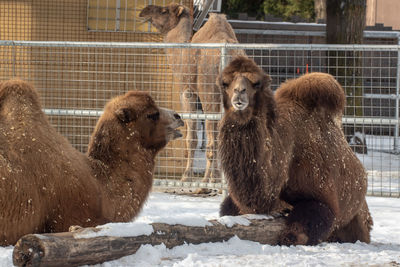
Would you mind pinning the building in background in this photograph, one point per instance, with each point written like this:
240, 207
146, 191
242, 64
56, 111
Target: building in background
384, 12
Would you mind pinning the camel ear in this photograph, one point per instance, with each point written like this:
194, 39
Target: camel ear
125, 115
178, 9
220, 83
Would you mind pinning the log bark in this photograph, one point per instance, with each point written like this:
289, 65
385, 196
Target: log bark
69, 249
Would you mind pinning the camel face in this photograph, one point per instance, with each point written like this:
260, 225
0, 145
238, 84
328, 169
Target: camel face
139, 116
240, 87
163, 18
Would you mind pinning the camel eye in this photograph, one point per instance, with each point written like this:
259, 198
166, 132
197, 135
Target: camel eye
154, 116
224, 84
257, 85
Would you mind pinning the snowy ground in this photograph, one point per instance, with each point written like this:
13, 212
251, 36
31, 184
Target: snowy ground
384, 249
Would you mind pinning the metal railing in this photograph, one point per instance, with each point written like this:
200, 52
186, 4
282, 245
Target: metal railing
76, 79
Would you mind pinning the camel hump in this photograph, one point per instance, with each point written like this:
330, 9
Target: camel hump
216, 30
18, 92
314, 91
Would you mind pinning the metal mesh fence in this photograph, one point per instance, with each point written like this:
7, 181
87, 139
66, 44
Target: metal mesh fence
76, 79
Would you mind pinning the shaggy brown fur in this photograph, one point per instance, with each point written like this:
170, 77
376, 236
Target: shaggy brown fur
290, 149
197, 70
46, 185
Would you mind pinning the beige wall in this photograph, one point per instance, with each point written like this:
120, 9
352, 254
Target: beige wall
386, 12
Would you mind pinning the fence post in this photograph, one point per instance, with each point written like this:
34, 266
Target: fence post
397, 124
14, 58
222, 65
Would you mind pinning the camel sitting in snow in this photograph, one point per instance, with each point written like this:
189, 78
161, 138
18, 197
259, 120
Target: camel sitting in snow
197, 70
289, 149
46, 185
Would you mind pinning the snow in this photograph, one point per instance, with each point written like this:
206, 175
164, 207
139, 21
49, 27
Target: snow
117, 229
383, 250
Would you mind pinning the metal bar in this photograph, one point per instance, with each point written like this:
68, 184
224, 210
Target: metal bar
98, 113
117, 15
371, 121
370, 34
382, 96
198, 45
203, 14
202, 116
175, 183
222, 65
396, 130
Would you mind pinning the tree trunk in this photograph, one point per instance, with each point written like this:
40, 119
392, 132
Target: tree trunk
345, 24
320, 10
71, 249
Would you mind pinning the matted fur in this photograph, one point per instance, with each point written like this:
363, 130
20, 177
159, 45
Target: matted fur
290, 149
46, 185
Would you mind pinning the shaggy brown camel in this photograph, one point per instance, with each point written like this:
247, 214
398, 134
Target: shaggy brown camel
290, 149
197, 70
46, 185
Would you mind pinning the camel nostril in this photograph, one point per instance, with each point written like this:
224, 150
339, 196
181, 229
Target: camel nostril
176, 116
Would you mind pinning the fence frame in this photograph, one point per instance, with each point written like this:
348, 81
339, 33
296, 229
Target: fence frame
224, 48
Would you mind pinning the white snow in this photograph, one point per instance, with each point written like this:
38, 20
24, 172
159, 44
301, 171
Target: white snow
118, 229
383, 250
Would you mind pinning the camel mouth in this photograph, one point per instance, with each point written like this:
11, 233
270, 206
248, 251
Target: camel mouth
176, 133
174, 122
144, 19
238, 105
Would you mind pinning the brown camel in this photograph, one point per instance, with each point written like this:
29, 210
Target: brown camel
197, 70
46, 185
289, 149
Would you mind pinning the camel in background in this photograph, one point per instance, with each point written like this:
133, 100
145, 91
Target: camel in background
197, 70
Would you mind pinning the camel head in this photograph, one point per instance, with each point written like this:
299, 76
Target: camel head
138, 121
165, 18
243, 84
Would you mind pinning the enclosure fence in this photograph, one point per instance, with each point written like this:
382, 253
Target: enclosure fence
76, 79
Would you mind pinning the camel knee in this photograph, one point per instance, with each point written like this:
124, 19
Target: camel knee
189, 100
309, 223
211, 152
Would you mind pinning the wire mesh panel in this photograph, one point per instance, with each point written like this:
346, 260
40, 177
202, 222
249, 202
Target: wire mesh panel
76, 79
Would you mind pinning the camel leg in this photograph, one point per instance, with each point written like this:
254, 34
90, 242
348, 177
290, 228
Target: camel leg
309, 223
212, 172
358, 229
228, 208
189, 99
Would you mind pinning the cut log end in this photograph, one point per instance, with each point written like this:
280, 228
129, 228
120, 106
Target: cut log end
28, 251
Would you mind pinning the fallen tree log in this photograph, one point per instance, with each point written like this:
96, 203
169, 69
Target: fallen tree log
70, 249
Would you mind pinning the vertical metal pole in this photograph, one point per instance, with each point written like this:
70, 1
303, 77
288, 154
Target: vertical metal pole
14, 57
222, 65
396, 130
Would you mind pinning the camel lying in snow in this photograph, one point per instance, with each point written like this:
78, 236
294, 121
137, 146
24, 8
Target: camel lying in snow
46, 185
197, 70
290, 149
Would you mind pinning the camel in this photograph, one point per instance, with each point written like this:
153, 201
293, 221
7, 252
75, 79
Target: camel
46, 185
288, 151
197, 70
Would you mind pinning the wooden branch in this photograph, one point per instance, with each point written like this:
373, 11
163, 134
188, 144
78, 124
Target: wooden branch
68, 249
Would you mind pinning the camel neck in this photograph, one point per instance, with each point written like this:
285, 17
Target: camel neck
124, 183
182, 33
251, 163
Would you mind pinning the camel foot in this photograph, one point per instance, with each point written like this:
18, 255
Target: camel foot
187, 176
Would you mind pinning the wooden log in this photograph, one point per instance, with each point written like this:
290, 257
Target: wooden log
70, 249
